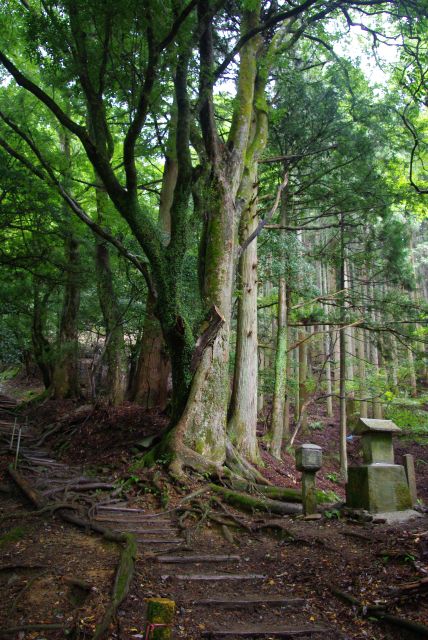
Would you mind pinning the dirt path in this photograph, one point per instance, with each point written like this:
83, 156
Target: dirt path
256, 586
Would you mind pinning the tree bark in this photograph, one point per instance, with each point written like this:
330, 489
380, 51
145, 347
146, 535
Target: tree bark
42, 348
278, 403
342, 375
65, 379
150, 383
113, 352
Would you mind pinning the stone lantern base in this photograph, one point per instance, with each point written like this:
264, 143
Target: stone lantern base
377, 488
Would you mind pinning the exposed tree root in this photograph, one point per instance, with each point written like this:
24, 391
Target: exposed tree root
241, 468
35, 627
420, 630
125, 569
250, 503
276, 493
124, 574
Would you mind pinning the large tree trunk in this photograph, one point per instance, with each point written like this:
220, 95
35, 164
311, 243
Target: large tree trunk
42, 348
65, 377
328, 347
278, 404
149, 386
303, 373
113, 353
242, 426
199, 438
150, 382
343, 454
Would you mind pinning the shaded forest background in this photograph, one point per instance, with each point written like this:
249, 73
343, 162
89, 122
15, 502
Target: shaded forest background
115, 134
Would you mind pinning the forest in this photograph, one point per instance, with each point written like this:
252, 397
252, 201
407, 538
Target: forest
213, 249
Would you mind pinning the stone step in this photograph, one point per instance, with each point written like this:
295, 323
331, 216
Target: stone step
249, 602
196, 558
211, 577
266, 632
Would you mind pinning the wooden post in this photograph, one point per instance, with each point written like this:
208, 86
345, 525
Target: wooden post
160, 617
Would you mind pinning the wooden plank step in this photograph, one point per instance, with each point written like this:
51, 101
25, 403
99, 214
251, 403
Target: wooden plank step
211, 577
132, 519
200, 558
145, 531
45, 463
250, 601
160, 541
106, 507
265, 632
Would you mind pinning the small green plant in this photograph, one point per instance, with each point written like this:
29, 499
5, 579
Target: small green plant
13, 535
9, 373
332, 514
409, 558
127, 483
333, 476
327, 496
317, 425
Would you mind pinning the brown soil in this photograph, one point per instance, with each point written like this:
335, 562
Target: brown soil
369, 561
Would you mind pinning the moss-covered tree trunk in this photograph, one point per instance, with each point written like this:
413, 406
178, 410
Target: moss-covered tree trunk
113, 353
65, 376
199, 438
42, 348
242, 425
281, 357
150, 382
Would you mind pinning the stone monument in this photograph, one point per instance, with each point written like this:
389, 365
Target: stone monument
378, 485
309, 461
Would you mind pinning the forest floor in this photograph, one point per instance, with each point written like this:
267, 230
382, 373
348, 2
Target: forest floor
41, 556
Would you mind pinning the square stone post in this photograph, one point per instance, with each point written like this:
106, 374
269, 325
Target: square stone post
309, 461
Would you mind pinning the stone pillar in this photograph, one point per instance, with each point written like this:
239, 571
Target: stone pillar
309, 461
409, 467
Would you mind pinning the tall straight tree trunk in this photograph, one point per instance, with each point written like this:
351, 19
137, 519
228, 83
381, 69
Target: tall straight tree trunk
303, 373
375, 356
42, 348
343, 454
200, 436
114, 346
242, 426
327, 347
278, 404
65, 378
150, 384
362, 372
